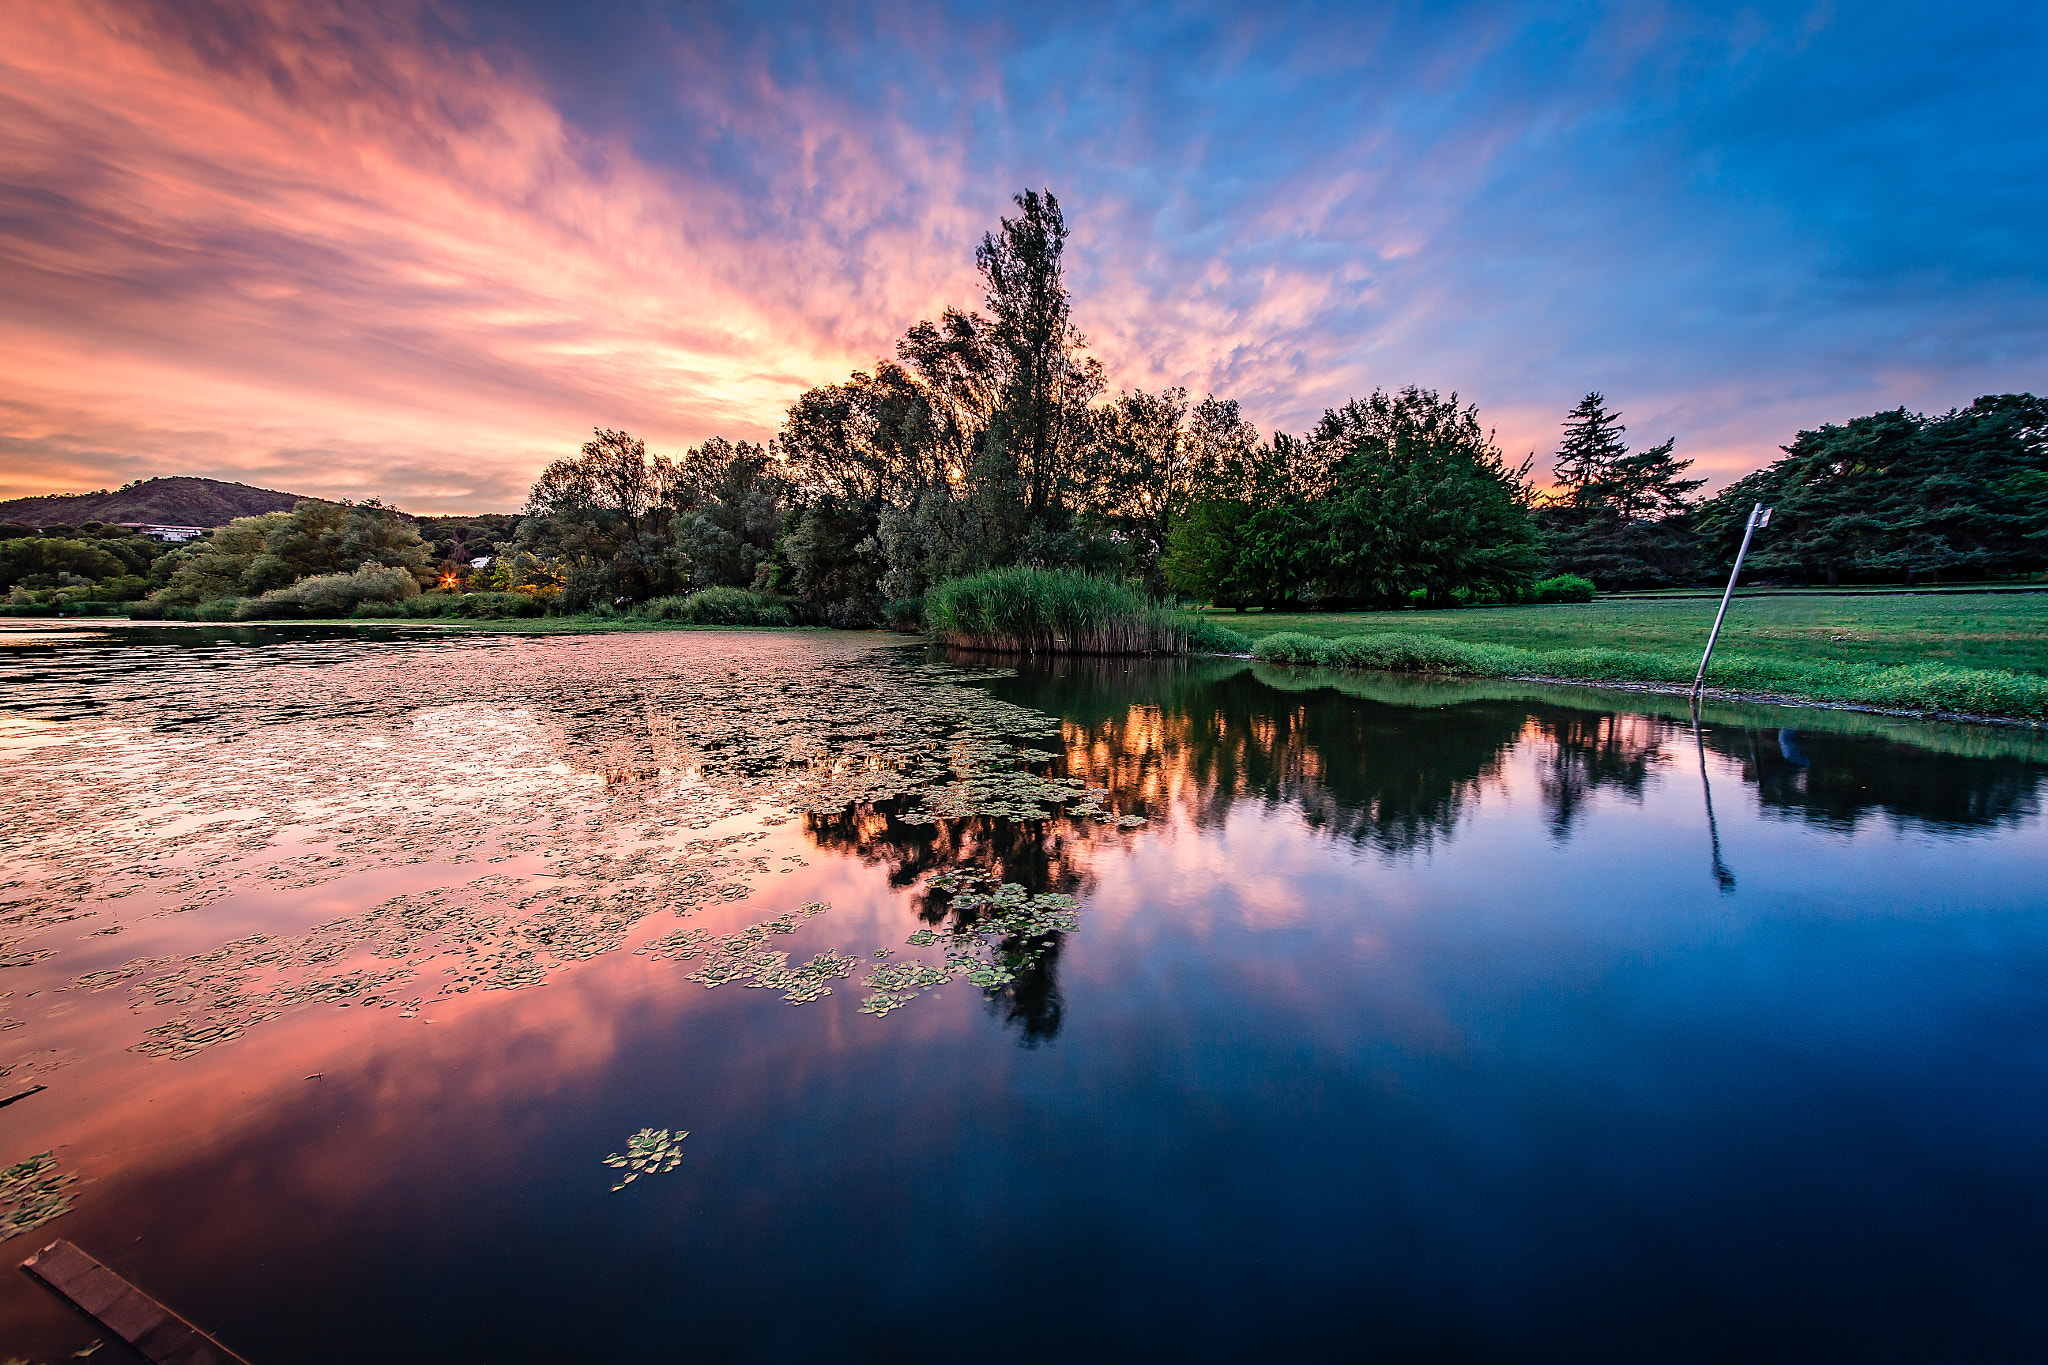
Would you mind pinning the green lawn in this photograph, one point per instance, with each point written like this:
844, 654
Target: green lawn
1974, 630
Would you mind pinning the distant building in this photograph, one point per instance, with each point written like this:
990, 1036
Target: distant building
480, 562
175, 535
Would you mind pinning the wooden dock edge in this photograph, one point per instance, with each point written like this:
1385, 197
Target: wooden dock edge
127, 1312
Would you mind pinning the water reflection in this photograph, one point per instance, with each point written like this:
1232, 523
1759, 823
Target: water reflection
1052, 854
1382, 771
1724, 879
1389, 1017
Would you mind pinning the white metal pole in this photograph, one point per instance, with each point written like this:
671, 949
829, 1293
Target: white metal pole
1748, 530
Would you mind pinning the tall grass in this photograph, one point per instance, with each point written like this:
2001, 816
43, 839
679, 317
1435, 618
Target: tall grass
718, 607
1063, 611
1911, 687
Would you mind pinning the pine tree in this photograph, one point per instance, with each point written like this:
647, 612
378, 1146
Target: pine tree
1898, 495
1620, 519
1592, 444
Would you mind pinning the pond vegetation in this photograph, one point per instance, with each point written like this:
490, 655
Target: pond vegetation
1082, 905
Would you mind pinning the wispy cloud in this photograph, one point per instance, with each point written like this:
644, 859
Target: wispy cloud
417, 250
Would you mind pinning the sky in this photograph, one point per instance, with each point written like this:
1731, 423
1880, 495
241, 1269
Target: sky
416, 250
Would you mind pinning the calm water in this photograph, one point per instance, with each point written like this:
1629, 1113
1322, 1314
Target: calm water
1086, 1012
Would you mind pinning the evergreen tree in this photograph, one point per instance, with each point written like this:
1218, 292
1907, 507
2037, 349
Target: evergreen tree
1620, 519
1898, 496
1592, 444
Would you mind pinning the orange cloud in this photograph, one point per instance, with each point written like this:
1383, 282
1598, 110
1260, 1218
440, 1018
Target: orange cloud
362, 262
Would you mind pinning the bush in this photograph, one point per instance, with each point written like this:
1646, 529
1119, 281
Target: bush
904, 613
332, 594
1053, 611
1207, 637
1566, 587
718, 607
1287, 647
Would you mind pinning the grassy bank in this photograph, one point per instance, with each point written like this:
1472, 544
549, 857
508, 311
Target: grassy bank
1908, 666
1978, 630
1059, 611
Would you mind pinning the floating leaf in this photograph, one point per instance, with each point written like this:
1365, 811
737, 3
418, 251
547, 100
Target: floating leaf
651, 1151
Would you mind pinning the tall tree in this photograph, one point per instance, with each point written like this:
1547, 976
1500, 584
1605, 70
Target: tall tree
1620, 519
1421, 501
1592, 443
1049, 384
1141, 473
605, 512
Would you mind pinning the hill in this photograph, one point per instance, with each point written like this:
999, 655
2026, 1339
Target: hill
179, 501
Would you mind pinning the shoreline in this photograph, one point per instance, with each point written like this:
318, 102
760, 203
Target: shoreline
562, 625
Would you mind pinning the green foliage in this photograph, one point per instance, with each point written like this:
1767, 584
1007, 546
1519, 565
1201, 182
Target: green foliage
1202, 552
834, 559
1621, 519
1563, 588
40, 561
1207, 637
328, 596
1053, 611
971, 449
251, 556
1896, 496
720, 606
903, 613
454, 541
728, 501
1395, 498
604, 515
471, 606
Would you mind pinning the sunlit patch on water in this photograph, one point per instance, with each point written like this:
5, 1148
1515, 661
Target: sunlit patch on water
370, 845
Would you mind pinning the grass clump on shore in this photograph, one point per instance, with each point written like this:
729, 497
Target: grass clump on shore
1064, 611
1924, 686
718, 607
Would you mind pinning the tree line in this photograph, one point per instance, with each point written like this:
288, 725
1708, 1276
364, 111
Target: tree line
988, 440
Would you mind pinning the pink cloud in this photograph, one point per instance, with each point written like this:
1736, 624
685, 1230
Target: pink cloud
329, 261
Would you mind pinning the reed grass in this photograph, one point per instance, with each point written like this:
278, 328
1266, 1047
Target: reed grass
1064, 611
718, 606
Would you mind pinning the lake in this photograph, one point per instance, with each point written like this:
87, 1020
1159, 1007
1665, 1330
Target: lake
1092, 1009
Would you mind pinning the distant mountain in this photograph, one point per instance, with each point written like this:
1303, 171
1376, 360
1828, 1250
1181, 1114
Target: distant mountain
164, 502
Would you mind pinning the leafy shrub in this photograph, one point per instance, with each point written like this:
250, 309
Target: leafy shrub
1207, 637
332, 594
903, 613
1566, 587
1289, 647
469, 606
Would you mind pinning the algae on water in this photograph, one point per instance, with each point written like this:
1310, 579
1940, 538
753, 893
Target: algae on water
32, 1192
651, 1151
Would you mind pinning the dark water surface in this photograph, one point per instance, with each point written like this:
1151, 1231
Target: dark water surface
1253, 1013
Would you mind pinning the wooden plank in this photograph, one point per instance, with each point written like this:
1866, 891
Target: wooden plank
161, 1335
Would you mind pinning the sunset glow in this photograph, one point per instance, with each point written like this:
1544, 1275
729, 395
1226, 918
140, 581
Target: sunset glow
415, 251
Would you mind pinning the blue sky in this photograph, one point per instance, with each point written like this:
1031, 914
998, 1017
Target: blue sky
412, 238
